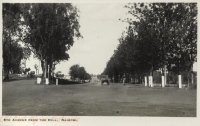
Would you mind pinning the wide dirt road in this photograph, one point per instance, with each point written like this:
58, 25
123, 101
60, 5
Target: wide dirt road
24, 97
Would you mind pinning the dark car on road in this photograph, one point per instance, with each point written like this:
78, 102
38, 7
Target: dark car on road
31, 74
104, 78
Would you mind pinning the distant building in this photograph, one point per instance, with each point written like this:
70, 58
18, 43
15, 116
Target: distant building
30, 62
68, 77
94, 78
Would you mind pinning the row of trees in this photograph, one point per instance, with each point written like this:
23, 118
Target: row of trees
160, 36
47, 30
13, 52
79, 72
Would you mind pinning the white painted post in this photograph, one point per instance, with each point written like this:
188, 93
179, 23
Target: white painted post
38, 80
145, 81
179, 81
56, 81
163, 81
47, 81
149, 81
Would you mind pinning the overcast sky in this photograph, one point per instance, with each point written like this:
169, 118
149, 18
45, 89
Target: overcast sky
101, 29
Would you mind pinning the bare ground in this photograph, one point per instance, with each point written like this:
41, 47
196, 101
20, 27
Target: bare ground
24, 97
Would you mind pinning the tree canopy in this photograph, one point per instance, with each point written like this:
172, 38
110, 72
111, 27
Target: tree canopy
158, 34
13, 53
47, 29
51, 31
79, 72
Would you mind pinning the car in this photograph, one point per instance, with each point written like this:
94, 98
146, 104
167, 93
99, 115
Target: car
32, 74
104, 78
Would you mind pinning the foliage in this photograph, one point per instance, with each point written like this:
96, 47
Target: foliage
50, 30
173, 35
12, 52
158, 34
73, 71
12, 56
79, 72
26, 70
27, 52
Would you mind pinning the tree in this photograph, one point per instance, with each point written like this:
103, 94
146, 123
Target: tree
87, 76
170, 32
12, 52
12, 59
50, 31
158, 35
79, 72
74, 71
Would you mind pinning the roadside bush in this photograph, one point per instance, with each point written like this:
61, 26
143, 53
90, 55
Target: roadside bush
64, 81
157, 77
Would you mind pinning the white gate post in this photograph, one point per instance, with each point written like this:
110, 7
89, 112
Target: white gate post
56, 81
179, 81
47, 81
38, 80
150, 81
163, 81
145, 81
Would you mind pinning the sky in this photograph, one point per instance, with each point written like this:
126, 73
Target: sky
101, 29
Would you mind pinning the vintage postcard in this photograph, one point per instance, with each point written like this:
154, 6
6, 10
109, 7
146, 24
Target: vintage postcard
99, 63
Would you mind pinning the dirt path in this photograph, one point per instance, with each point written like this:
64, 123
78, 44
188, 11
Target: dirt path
23, 97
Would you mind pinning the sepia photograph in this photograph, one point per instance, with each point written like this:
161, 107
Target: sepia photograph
62, 62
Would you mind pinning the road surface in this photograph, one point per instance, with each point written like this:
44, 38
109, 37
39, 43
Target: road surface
24, 97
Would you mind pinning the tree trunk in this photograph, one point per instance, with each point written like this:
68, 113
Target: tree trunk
165, 75
9, 63
138, 79
45, 69
25, 63
6, 74
188, 79
152, 72
192, 75
42, 66
7, 66
50, 71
